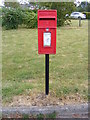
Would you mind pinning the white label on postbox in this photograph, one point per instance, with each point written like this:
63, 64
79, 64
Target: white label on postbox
47, 39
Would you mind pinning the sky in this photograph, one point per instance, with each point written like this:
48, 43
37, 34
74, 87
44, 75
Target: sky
1, 1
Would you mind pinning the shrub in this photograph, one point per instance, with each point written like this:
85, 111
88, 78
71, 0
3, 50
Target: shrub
11, 18
62, 8
30, 19
0, 17
87, 14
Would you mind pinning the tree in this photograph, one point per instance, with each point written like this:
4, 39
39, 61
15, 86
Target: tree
88, 7
12, 4
84, 7
62, 8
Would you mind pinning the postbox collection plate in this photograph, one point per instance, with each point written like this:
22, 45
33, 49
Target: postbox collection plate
47, 39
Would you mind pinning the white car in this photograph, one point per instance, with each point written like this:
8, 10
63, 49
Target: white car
78, 15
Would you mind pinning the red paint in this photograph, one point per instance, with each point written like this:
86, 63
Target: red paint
47, 19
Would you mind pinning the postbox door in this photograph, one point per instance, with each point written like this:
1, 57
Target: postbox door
47, 41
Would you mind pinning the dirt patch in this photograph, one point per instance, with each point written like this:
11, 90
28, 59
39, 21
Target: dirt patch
40, 99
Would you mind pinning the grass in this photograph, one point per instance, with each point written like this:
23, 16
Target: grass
25, 116
68, 68
52, 115
47, 116
40, 116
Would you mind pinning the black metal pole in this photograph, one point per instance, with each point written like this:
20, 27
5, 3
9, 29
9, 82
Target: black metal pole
79, 22
47, 74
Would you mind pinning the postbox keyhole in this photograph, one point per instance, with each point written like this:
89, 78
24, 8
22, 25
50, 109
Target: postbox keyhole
47, 29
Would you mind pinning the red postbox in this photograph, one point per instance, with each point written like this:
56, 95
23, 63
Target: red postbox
47, 25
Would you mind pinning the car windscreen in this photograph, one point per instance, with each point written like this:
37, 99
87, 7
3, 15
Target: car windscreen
75, 13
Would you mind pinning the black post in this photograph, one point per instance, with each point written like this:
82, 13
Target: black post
47, 74
79, 22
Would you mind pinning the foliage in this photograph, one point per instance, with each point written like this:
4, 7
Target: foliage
0, 17
11, 18
40, 116
51, 116
30, 19
25, 116
62, 8
88, 7
46, 116
12, 4
87, 14
84, 7
79, 9
13, 15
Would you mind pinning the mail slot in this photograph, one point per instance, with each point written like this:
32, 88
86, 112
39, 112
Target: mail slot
47, 25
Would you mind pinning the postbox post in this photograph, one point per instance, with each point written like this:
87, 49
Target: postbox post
47, 27
47, 74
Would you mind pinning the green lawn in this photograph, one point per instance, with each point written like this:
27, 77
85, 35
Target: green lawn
68, 68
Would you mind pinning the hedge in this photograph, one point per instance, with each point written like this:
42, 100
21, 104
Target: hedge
87, 14
11, 18
0, 17
30, 19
